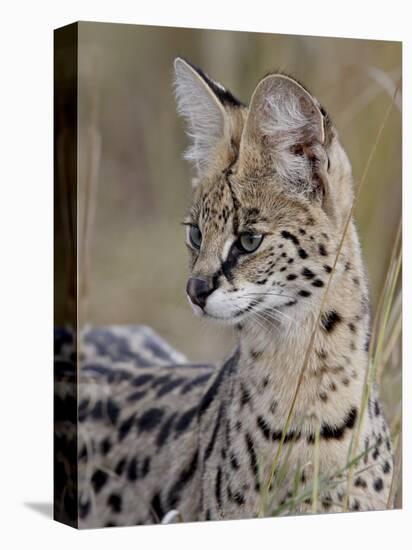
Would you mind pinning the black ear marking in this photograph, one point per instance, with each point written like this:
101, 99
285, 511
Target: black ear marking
225, 96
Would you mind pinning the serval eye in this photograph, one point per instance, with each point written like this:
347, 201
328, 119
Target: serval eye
249, 242
195, 236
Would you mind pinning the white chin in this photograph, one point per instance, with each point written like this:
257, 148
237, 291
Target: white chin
198, 311
222, 317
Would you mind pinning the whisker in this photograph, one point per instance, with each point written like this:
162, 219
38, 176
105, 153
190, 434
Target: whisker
252, 313
278, 312
250, 294
267, 317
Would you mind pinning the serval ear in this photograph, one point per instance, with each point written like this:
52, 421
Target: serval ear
285, 130
204, 104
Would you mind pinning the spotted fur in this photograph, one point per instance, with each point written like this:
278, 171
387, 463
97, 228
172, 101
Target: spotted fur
202, 440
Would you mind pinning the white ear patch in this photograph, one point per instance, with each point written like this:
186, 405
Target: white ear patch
204, 114
288, 118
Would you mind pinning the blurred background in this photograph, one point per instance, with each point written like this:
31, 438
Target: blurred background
135, 187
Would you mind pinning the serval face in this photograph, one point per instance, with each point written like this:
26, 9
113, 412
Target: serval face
270, 197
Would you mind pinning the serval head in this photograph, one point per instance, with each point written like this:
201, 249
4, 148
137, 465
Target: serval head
272, 190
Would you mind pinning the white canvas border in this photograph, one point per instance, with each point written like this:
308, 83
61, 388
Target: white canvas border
26, 276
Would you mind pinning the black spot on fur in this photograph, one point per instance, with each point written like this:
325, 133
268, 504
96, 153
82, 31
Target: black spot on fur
150, 419
377, 408
304, 294
170, 386
366, 454
255, 354
329, 320
250, 446
291, 277
105, 446
184, 477
327, 502
378, 484
360, 482
355, 506
165, 431
156, 507
115, 503
244, 396
142, 379
120, 466
185, 420
336, 432
126, 426
289, 236
322, 250
386, 468
212, 441
97, 411
318, 283
83, 453
145, 467
112, 411
302, 253
292, 435
203, 378
132, 470
98, 480
238, 498
263, 426
218, 487
327, 268
234, 462
307, 273
84, 509
136, 396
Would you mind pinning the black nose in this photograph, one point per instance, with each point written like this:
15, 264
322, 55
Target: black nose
199, 289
